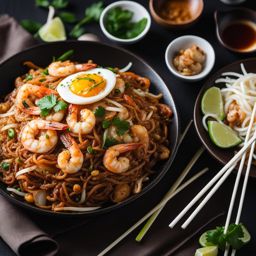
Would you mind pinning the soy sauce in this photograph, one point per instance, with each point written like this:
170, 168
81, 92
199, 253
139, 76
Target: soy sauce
240, 35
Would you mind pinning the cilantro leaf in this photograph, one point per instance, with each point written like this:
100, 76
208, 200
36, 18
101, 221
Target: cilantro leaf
99, 111
47, 102
28, 77
94, 11
60, 105
121, 125
77, 31
90, 150
234, 235
45, 72
59, 4
216, 237
42, 3
30, 25
5, 166
67, 17
106, 124
108, 142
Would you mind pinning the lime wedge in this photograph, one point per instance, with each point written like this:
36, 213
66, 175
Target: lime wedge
52, 31
207, 251
222, 135
247, 237
203, 241
212, 103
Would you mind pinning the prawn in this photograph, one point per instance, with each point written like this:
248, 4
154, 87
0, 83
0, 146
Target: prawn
140, 134
70, 160
39, 136
27, 96
121, 164
87, 122
66, 68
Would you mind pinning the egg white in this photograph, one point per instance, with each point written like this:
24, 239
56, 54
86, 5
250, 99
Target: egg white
66, 94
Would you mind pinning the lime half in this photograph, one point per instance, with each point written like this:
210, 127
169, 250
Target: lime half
212, 103
52, 31
203, 241
222, 135
207, 251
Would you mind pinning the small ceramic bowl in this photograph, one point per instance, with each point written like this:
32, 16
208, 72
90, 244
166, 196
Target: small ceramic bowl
185, 42
139, 12
195, 8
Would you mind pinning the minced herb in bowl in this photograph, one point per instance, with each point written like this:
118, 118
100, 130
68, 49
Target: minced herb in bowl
125, 21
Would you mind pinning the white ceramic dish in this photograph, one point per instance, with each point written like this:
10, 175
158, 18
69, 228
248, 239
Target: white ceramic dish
184, 42
139, 12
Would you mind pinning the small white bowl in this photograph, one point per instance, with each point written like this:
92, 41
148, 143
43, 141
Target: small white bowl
185, 42
139, 12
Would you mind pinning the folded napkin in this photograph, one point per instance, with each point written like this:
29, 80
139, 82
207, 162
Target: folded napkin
23, 237
13, 38
16, 229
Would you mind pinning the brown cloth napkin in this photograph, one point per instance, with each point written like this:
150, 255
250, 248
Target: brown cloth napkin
16, 229
23, 237
13, 38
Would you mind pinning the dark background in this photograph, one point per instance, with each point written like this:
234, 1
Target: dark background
83, 237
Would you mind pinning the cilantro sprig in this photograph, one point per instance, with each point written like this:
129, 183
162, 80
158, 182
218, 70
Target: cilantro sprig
234, 236
49, 103
122, 126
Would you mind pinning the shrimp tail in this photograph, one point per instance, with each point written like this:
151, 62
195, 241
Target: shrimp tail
129, 100
67, 140
86, 66
122, 148
56, 126
45, 91
32, 111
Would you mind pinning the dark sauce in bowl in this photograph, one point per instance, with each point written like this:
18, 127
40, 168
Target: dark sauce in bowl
240, 35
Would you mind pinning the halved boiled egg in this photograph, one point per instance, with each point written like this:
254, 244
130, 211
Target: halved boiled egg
88, 86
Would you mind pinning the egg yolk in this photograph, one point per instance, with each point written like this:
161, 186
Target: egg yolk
88, 85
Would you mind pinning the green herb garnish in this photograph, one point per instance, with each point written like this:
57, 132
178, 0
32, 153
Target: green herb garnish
42, 3
92, 13
11, 133
66, 55
67, 17
45, 72
234, 236
108, 142
42, 80
117, 91
25, 104
112, 69
60, 4
99, 111
119, 23
121, 125
49, 102
5, 166
28, 77
31, 26
61, 105
106, 124
90, 150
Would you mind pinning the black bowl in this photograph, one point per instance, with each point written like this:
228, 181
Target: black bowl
106, 56
222, 155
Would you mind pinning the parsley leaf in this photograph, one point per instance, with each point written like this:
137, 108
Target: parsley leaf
59, 4
121, 125
30, 25
60, 105
99, 111
67, 17
66, 55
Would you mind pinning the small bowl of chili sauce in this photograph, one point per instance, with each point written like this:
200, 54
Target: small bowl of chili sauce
236, 29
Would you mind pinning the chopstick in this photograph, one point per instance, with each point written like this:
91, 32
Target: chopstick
238, 176
157, 207
184, 173
227, 167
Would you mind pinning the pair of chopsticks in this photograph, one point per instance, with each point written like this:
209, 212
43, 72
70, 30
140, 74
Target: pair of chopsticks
222, 176
173, 191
